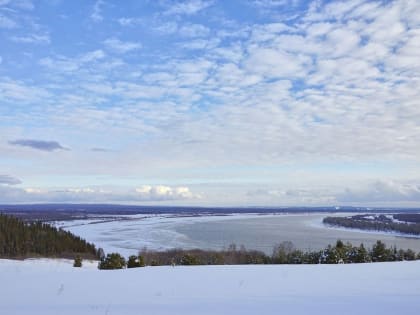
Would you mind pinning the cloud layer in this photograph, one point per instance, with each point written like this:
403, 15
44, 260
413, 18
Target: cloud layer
382, 191
146, 193
9, 180
232, 99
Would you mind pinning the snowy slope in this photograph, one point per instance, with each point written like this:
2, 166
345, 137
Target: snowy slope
55, 287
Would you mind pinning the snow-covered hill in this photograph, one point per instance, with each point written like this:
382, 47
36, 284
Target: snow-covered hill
55, 287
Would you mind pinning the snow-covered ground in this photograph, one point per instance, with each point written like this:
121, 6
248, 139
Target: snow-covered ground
55, 287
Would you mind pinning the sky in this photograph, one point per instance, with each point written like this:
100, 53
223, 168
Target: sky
210, 103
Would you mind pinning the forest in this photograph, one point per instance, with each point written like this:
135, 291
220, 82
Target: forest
379, 223
20, 240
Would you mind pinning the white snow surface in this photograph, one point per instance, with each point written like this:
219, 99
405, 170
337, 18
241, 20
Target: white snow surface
55, 287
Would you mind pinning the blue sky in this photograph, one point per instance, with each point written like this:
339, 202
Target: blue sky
240, 103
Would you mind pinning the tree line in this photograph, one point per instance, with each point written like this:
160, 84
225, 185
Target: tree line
408, 217
284, 253
357, 222
20, 239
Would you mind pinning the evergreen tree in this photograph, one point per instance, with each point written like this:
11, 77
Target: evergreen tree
77, 261
409, 255
362, 255
112, 261
380, 252
133, 262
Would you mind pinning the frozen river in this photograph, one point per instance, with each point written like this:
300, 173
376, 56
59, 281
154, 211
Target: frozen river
129, 234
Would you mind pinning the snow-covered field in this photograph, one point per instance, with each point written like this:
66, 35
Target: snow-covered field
55, 287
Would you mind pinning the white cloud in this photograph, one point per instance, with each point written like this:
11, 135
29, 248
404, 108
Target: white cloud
382, 191
167, 28
270, 3
144, 193
92, 56
125, 21
120, 46
337, 85
24, 4
194, 30
161, 192
308, 197
86, 190
336, 10
188, 7
266, 33
19, 91
200, 44
232, 75
6, 22
311, 88
34, 191
342, 42
96, 15
373, 193
136, 91
65, 64
274, 63
32, 39
319, 29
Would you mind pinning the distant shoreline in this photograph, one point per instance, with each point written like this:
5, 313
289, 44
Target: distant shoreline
64, 212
